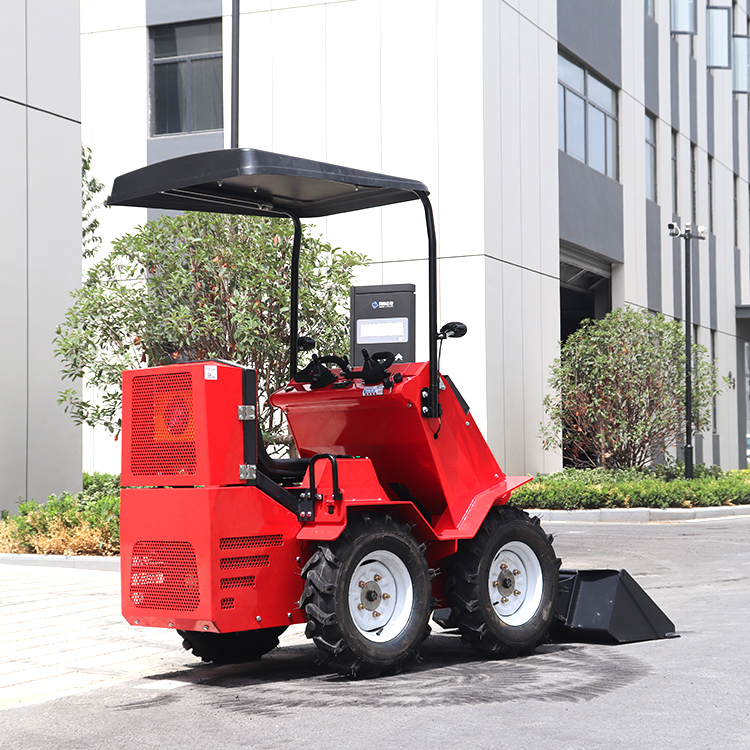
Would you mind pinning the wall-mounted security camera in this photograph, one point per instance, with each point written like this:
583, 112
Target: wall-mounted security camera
702, 233
674, 229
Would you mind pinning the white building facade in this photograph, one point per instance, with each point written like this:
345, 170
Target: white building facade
557, 137
40, 251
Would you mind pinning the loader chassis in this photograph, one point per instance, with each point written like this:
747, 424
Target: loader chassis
394, 507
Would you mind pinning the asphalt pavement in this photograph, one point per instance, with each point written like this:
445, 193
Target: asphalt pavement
76, 676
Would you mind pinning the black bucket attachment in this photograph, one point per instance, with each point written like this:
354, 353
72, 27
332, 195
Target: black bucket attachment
606, 605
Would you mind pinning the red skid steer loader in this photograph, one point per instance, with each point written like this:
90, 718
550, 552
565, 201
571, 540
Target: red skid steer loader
395, 507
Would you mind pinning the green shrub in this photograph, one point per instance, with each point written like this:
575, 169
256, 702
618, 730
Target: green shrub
85, 523
660, 487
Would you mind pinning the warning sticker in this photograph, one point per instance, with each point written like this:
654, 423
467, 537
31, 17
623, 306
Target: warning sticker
210, 372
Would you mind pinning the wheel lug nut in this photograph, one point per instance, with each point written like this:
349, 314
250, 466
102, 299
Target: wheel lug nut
516, 593
360, 606
362, 584
503, 566
386, 596
377, 577
516, 572
504, 600
495, 584
376, 614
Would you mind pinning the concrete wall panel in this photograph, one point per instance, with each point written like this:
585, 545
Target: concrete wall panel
13, 306
53, 57
13, 51
54, 270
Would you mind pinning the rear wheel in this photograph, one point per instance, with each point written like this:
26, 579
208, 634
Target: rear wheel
231, 648
503, 585
367, 597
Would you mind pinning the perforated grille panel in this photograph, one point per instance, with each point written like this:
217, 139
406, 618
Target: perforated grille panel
248, 561
250, 542
227, 603
241, 582
163, 425
164, 575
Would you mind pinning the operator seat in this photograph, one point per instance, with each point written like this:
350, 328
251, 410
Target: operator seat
281, 470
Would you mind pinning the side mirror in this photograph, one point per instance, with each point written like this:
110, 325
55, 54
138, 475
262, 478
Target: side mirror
452, 331
305, 343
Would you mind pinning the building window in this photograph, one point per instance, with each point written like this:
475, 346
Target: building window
693, 183
736, 213
714, 419
186, 77
711, 194
650, 157
675, 204
587, 118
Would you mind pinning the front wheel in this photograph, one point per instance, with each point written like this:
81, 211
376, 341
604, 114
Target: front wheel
367, 597
503, 585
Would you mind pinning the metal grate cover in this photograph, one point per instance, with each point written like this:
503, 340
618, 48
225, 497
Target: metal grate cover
250, 542
164, 575
241, 582
248, 561
163, 425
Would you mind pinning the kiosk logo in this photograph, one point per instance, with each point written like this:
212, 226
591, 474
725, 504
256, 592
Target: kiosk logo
382, 305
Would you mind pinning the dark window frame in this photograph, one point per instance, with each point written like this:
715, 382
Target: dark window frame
652, 181
188, 59
612, 171
675, 172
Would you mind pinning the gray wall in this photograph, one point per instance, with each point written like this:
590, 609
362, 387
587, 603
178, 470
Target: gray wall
591, 30
40, 255
590, 209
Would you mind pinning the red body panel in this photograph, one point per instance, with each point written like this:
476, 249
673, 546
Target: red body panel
454, 478
202, 551
209, 559
168, 414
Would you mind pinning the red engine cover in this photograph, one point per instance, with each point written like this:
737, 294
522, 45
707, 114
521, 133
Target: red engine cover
180, 425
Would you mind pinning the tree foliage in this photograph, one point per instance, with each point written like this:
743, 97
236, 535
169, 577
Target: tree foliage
90, 189
200, 286
618, 391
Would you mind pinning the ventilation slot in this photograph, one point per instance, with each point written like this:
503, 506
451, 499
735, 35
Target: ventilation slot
163, 432
164, 575
242, 582
250, 561
227, 603
250, 542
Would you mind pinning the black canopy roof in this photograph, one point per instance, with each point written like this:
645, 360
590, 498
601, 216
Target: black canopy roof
249, 181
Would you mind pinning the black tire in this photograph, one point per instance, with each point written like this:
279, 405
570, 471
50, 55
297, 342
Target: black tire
503, 585
375, 569
231, 648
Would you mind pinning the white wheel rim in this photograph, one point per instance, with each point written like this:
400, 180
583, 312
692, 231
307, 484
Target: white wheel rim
515, 583
380, 596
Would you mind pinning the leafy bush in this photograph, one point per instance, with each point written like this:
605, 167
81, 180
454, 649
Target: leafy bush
86, 523
618, 391
660, 487
201, 286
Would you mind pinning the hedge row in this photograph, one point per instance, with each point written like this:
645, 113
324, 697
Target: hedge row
661, 488
86, 523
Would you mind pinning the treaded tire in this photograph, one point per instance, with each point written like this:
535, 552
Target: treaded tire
503, 585
374, 569
231, 648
